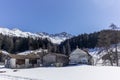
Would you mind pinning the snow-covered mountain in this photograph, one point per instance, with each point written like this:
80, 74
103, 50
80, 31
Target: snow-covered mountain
54, 38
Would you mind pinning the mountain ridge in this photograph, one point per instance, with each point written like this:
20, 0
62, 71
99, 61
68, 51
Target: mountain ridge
54, 38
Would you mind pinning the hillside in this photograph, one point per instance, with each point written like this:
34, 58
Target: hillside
90, 41
15, 40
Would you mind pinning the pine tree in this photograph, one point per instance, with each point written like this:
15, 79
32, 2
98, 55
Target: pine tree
49, 47
68, 47
64, 50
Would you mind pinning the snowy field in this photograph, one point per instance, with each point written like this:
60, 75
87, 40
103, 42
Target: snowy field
9, 77
83, 72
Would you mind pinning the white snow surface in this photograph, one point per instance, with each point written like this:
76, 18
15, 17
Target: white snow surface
82, 72
25, 53
5, 52
18, 33
31, 51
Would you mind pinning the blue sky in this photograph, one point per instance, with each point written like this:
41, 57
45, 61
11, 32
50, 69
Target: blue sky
54, 16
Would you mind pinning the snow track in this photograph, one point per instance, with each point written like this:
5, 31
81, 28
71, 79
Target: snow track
9, 77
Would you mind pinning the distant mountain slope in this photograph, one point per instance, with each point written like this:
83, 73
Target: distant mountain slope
54, 38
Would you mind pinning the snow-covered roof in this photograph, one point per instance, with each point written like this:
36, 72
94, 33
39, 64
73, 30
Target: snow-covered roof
56, 54
29, 56
32, 51
4, 52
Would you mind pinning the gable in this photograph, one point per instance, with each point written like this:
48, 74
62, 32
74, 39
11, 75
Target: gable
78, 52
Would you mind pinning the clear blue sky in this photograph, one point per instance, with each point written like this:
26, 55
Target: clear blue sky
54, 16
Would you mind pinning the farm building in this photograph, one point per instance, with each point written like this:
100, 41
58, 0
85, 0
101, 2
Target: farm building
55, 59
79, 56
36, 60
3, 55
22, 61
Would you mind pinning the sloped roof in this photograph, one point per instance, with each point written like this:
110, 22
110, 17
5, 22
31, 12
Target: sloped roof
30, 56
57, 54
3, 52
79, 51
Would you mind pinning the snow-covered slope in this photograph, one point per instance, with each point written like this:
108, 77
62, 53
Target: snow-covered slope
17, 33
98, 53
54, 38
63, 73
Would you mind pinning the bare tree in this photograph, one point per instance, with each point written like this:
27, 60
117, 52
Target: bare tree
115, 38
104, 42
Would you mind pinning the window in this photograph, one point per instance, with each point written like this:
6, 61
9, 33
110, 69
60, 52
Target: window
20, 61
33, 61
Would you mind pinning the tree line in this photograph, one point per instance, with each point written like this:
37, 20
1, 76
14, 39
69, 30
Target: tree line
19, 44
103, 38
